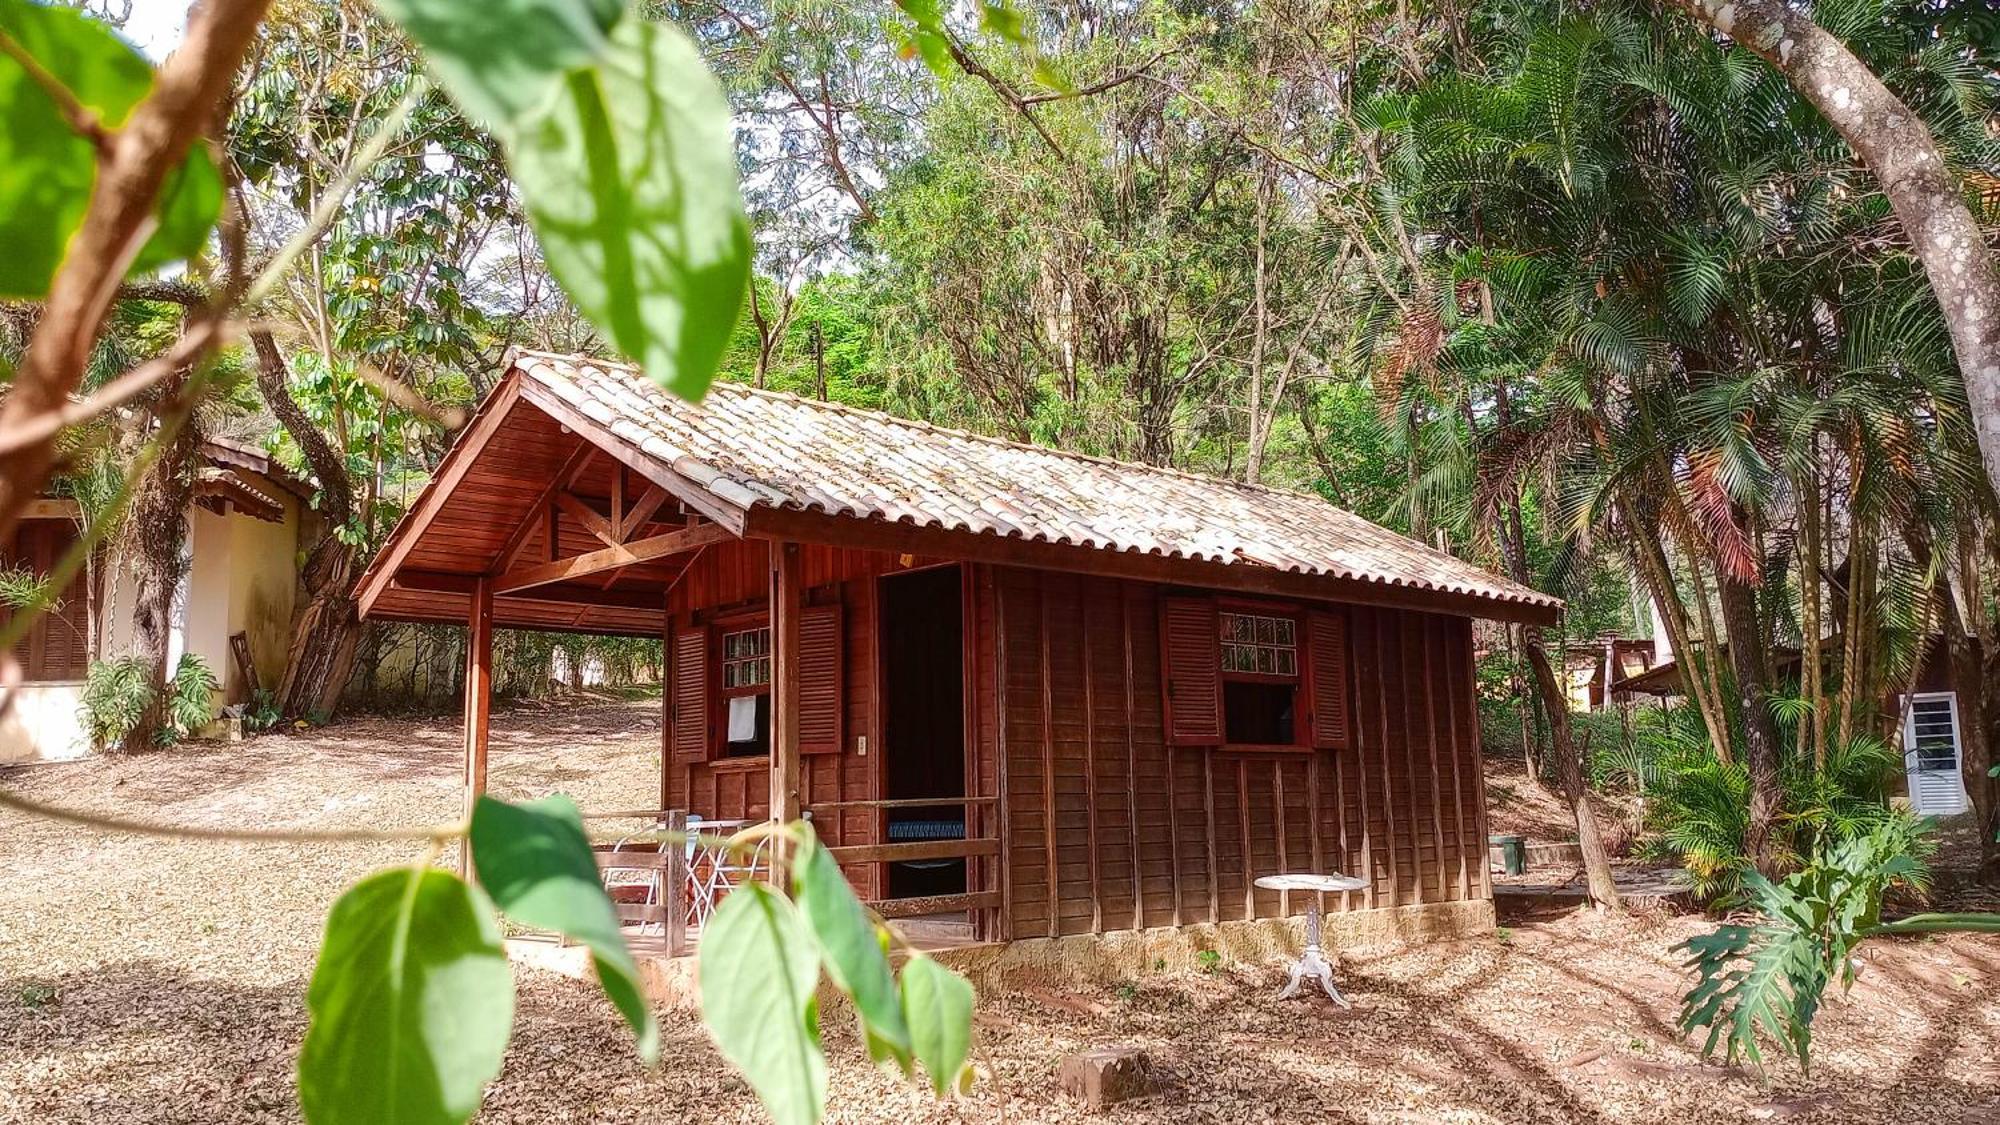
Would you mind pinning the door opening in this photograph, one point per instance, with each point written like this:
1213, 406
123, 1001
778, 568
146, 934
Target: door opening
923, 722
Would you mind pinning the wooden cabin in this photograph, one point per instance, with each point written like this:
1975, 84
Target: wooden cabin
1048, 693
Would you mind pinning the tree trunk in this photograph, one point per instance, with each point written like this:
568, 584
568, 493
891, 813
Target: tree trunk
1569, 764
1812, 669
1967, 660
326, 624
1760, 729
1694, 660
156, 530
1898, 148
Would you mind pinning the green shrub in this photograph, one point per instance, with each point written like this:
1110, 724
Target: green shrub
262, 711
190, 700
1700, 806
116, 694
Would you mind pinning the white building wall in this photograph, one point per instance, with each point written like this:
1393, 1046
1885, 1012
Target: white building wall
44, 724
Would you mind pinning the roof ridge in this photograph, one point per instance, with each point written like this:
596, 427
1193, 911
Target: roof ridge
953, 431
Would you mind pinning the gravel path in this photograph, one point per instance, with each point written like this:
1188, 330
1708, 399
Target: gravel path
147, 980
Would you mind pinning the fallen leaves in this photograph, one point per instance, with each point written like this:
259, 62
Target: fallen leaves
154, 981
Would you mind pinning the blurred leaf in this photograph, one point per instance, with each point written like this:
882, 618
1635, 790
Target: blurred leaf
938, 1005
411, 1003
535, 861
505, 59
51, 168
758, 971
619, 139
852, 951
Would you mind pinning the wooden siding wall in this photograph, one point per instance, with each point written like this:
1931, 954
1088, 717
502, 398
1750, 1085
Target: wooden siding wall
733, 575
1108, 828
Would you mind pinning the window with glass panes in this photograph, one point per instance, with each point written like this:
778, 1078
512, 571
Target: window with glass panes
1260, 678
746, 692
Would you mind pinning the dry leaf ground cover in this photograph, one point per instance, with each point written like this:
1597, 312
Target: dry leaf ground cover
147, 980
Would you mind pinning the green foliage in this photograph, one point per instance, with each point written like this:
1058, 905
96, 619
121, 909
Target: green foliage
262, 711
1765, 981
412, 998
190, 699
618, 138
535, 861
22, 588
761, 957
759, 967
411, 1003
52, 166
1699, 804
851, 950
937, 1003
116, 694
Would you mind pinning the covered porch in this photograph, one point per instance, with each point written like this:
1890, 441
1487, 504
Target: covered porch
784, 657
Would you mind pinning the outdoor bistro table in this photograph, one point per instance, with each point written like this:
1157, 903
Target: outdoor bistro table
1312, 964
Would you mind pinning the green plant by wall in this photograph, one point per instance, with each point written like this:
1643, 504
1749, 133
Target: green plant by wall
115, 696
117, 692
190, 700
261, 713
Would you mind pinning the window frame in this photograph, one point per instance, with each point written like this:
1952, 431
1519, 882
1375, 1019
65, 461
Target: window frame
1302, 735
719, 696
1912, 752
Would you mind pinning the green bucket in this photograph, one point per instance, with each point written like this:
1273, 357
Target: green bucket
1513, 853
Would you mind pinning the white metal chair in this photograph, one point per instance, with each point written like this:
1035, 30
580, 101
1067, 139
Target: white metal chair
720, 874
648, 878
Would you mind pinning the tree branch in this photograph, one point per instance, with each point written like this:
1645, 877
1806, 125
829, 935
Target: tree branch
136, 161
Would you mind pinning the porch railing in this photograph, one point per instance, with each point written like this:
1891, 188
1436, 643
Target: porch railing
665, 893
653, 884
981, 878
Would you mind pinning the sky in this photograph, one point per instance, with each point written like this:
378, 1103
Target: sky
155, 25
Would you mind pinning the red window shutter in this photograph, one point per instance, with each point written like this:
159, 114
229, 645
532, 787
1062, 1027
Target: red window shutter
57, 645
1191, 669
1326, 661
66, 649
689, 714
819, 680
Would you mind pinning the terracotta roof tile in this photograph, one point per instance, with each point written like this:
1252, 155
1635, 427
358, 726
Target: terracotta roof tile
750, 447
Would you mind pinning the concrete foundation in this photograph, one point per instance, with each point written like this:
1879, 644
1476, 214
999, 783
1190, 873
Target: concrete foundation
1092, 958
1124, 954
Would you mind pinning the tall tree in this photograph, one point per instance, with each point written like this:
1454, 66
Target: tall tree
1897, 145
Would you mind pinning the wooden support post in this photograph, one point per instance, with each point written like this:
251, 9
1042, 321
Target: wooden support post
787, 601
674, 881
478, 697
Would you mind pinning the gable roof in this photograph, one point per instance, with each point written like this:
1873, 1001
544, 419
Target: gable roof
743, 450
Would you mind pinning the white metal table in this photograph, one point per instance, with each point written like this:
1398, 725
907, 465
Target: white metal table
1312, 964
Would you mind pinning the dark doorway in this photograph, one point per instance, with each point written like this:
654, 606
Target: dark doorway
923, 722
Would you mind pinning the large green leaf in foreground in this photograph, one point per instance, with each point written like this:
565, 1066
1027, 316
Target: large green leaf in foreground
49, 168
535, 861
937, 1003
411, 1004
759, 969
852, 949
618, 137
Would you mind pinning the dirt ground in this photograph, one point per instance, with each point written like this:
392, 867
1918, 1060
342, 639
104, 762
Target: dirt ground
147, 980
